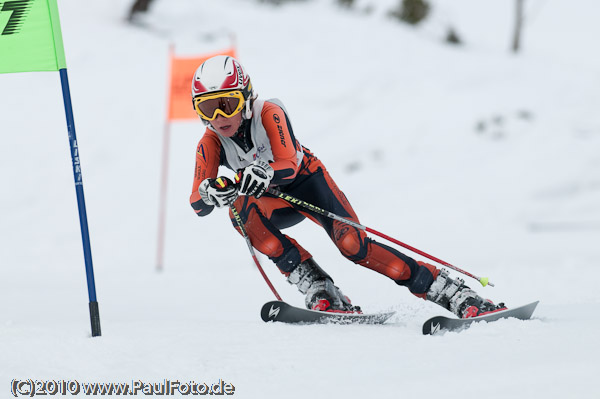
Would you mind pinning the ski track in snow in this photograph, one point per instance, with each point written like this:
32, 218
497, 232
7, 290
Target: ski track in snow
487, 160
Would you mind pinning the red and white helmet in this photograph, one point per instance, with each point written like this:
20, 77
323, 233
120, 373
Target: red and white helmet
223, 73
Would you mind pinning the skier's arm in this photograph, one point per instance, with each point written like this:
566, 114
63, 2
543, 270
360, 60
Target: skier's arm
208, 158
283, 144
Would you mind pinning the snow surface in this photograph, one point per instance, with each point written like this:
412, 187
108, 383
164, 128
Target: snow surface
485, 159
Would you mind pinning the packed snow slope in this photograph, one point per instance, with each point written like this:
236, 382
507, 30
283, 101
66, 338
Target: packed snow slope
485, 159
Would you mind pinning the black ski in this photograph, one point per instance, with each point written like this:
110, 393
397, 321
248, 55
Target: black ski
281, 311
441, 323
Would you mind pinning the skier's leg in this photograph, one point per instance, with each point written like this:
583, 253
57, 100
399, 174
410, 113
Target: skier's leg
422, 279
263, 219
317, 187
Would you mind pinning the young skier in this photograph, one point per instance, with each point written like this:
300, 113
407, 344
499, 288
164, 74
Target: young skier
254, 138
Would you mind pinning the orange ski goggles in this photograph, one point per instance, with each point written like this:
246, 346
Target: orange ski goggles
226, 103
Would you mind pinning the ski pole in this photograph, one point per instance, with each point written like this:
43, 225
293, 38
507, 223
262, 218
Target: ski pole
482, 280
240, 223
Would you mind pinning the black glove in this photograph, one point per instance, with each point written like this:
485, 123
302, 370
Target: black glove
255, 178
218, 192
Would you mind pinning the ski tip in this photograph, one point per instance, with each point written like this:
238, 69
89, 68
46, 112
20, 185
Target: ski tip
534, 305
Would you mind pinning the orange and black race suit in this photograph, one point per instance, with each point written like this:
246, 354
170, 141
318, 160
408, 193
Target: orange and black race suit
300, 173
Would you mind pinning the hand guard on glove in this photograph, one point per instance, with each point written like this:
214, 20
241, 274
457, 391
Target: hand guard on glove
254, 180
218, 192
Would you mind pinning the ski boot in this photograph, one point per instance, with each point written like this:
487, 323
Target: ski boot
321, 293
455, 296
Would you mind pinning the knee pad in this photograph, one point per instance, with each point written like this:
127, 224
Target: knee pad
350, 241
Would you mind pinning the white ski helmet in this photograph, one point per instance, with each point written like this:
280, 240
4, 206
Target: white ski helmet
223, 73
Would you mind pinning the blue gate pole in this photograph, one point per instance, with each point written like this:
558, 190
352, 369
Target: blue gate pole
85, 236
